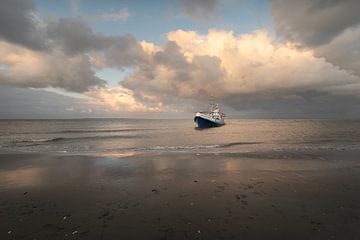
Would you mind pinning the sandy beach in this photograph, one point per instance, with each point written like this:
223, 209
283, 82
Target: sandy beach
180, 196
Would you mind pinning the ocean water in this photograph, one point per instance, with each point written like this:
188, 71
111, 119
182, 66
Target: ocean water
122, 136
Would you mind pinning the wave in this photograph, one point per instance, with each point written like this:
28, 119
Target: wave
193, 147
239, 143
105, 130
65, 139
89, 131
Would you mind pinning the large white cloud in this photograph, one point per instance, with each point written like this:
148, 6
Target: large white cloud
191, 65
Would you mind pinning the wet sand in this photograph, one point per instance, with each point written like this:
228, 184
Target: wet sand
180, 196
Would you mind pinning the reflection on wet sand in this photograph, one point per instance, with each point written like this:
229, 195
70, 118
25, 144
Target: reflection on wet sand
85, 169
179, 196
21, 177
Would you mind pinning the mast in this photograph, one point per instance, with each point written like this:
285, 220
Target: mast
211, 102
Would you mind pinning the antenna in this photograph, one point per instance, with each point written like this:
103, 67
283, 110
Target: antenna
211, 103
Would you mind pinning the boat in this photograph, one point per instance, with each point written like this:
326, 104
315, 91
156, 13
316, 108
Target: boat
212, 118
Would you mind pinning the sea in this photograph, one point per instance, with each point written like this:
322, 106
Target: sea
125, 136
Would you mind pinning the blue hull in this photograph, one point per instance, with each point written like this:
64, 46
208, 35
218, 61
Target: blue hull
204, 123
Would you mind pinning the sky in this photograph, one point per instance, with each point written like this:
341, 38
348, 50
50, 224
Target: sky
163, 59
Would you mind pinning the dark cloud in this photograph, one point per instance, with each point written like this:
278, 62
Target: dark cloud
330, 28
39, 104
19, 24
73, 35
77, 76
123, 51
172, 57
33, 103
309, 104
199, 9
314, 22
36, 103
343, 50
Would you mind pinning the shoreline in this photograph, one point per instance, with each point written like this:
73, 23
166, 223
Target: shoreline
180, 196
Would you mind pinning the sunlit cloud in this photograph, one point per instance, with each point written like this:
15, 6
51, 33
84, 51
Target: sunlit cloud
193, 65
119, 99
30, 68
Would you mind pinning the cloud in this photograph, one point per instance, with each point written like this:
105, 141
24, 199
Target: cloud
20, 24
75, 6
343, 50
330, 28
73, 35
248, 71
309, 104
117, 99
34, 53
35, 103
120, 15
28, 68
252, 66
41, 103
63, 54
123, 51
314, 22
199, 9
